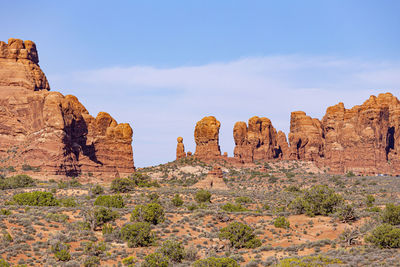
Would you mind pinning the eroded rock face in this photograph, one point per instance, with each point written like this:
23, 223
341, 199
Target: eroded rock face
257, 141
52, 131
180, 148
213, 180
206, 135
19, 65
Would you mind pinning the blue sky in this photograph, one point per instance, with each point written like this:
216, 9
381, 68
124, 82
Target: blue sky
163, 65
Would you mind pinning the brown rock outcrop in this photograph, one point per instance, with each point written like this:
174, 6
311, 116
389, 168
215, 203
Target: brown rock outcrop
180, 148
258, 141
214, 180
52, 131
206, 135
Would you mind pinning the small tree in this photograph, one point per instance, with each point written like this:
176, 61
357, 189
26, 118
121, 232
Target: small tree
155, 260
385, 236
216, 262
99, 216
115, 201
347, 213
391, 214
281, 222
138, 234
173, 250
239, 235
202, 196
37, 198
152, 213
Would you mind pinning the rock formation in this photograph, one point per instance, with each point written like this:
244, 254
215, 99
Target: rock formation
258, 141
52, 131
206, 135
214, 180
180, 149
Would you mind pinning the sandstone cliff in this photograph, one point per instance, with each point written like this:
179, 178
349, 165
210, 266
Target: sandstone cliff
52, 131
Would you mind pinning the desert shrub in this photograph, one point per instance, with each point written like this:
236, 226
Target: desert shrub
309, 261
349, 236
114, 201
68, 202
202, 196
216, 262
350, 174
71, 183
155, 260
129, 261
91, 261
99, 216
192, 207
97, 190
6, 237
138, 234
281, 222
153, 197
16, 181
94, 249
240, 235
5, 212
4, 263
61, 251
177, 201
152, 213
370, 199
347, 213
142, 180
233, 207
37, 198
173, 250
123, 185
391, 214
318, 200
243, 200
385, 236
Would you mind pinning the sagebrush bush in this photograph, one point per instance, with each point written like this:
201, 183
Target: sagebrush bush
173, 250
281, 222
318, 200
138, 234
391, 214
152, 213
16, 181
240, 235
36, 198
216, 262
202, 196
155, 260
61, 251
91, 261
233, 207
177, 201
113, 201
385, 236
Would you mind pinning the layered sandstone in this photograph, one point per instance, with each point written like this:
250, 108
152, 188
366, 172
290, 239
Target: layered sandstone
206, 135
213, 180
180, 148
52, 131
257, 141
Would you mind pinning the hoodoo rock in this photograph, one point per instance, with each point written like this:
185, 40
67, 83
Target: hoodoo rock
305, 137
213, 180
52, 131
180, 149
258, 141
206, 135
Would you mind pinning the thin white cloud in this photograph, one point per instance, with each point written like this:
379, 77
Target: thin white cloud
163, 103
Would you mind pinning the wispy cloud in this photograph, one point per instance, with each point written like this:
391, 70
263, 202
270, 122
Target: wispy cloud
163, 103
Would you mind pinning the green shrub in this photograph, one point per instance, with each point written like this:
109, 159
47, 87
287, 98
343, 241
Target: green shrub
243, 200
97, 190
202, 196
61, 251
177, 201
99, 216
347, 213
318, 200
385, 236
68, 202
138, 234
216, 262
391, 214
94, 249
309, 261
129, 261
37, 198
239, 235
173, 250
16, 181
5, 212
293, 189
153, 197
192, 207
122, 185
155, 260
350, 174
3, 263
281, 222
152, 213
71, 183
233, 207
114, 201
370, 199
91, 261
290, 175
